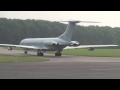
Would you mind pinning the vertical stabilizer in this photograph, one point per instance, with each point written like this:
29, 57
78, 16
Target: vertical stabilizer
67, 35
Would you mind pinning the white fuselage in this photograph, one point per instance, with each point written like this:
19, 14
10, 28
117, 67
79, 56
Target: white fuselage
47, 44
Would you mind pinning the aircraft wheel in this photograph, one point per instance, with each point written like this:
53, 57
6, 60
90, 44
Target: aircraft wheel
40, 54
58, 54
55, 54
26, 52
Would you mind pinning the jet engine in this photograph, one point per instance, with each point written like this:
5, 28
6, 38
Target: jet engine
9, 48
54, 43
91, 49
75, 43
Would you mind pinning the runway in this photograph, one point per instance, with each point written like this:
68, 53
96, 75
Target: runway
65, 67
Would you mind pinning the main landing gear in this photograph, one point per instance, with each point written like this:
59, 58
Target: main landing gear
58, 54
39, 53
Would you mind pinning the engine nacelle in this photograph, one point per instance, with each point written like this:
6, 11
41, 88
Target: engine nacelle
54, 43
91, 49
75, 43
9, 48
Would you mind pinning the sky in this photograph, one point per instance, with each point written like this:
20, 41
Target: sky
107, 18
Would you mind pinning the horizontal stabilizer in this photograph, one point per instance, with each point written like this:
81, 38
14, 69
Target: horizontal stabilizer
77, 21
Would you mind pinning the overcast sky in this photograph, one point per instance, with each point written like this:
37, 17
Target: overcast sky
108, 18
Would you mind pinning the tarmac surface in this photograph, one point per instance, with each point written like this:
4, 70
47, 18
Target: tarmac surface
65, 67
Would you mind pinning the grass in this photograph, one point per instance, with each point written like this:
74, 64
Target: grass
12, 59
96, 52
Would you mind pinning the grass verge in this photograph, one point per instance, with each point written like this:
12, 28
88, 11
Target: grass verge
12, 59
96, 52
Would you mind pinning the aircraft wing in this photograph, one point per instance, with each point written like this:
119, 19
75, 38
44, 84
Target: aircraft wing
20, 46
89, 46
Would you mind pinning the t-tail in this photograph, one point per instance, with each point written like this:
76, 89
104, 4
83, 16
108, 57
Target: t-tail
67, 35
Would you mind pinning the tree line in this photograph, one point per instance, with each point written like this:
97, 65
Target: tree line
12, 31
